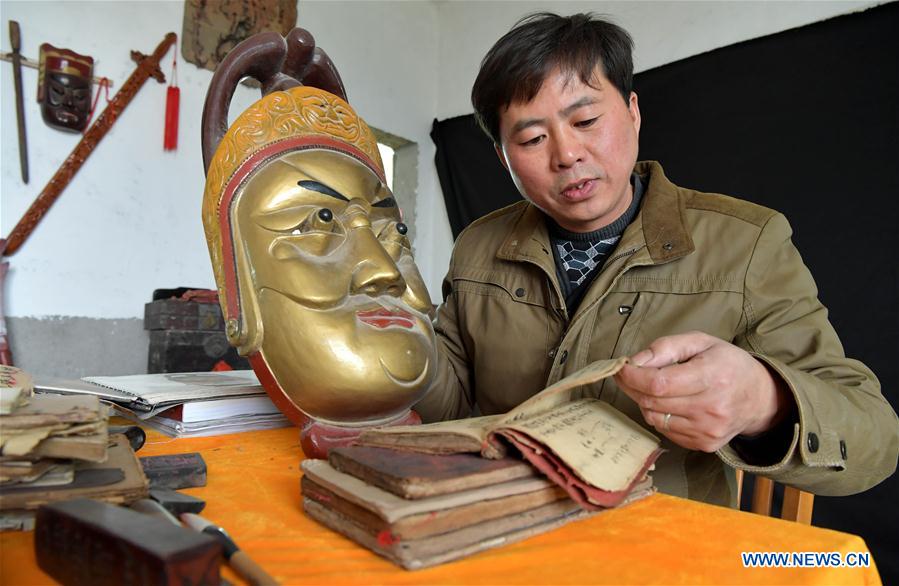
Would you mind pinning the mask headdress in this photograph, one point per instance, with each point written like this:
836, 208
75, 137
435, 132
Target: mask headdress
303, 106
64, 88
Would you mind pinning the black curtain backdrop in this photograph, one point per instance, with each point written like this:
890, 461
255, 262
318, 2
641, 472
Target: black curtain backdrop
473, 181
807, 122
804, 121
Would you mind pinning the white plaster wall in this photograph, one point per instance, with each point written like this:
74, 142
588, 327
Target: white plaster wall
129, 222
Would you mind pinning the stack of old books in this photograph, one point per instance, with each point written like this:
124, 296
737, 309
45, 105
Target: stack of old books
424, 495
55, 448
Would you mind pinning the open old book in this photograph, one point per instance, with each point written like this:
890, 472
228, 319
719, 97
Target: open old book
586, 446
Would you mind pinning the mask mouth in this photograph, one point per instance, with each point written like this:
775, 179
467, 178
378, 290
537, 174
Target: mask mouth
66, 116
384, 317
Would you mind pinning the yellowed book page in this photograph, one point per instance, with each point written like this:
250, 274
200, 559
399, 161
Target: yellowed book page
601, 445
473, 427
560, 392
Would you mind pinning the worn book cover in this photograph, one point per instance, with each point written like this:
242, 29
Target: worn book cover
381, 511
424, 532
414, 554
415, 475
55, 426
82, 444
118, 480
593, 451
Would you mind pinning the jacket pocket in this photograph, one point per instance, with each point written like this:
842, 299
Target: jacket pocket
512, 287
508, 334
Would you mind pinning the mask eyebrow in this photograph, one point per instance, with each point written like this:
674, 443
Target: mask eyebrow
321, 188
385, 203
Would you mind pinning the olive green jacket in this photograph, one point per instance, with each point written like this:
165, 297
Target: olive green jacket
689, 261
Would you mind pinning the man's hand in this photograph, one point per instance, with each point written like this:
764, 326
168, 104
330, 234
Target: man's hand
712, 390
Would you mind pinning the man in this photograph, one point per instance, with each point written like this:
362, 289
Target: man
733, 360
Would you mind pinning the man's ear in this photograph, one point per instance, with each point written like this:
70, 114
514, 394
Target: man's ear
634, 108
499, 153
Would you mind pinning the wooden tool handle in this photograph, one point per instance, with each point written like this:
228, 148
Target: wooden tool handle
250, 570
14, 36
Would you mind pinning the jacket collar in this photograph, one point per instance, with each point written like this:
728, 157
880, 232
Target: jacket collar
660, 225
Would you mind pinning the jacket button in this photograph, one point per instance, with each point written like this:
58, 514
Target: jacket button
624, 309
843, 449
667, 246
563, 357
812, 442
519, 292
552, 353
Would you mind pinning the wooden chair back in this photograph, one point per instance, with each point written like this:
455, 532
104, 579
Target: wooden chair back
797, 504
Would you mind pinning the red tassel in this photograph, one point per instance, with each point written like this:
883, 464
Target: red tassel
172, 104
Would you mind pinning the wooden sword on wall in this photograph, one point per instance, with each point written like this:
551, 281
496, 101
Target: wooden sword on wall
147, 67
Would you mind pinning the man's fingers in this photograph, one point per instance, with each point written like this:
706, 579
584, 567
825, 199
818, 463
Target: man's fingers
682, 405
681, 431
669, 350
664, 421
680, 380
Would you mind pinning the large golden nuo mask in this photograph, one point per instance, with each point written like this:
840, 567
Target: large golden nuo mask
314, 270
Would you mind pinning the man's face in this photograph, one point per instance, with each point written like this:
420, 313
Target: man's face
343, 307
571, 149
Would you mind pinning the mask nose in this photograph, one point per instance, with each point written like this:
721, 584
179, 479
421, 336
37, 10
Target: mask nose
375, 273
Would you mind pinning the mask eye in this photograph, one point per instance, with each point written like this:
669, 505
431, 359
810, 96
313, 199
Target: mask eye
393, 237
316, 222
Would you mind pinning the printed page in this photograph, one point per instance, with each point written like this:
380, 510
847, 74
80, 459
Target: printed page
601, 445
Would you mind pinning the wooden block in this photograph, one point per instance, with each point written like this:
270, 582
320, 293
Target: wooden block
92, 543
415, 475
176, 502
175, 471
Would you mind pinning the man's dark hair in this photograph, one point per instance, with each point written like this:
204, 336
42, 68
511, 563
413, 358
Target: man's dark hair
516, 66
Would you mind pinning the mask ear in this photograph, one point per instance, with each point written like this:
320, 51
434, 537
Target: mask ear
501, 155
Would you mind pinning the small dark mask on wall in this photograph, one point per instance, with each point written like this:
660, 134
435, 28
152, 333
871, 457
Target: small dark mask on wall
64, 88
